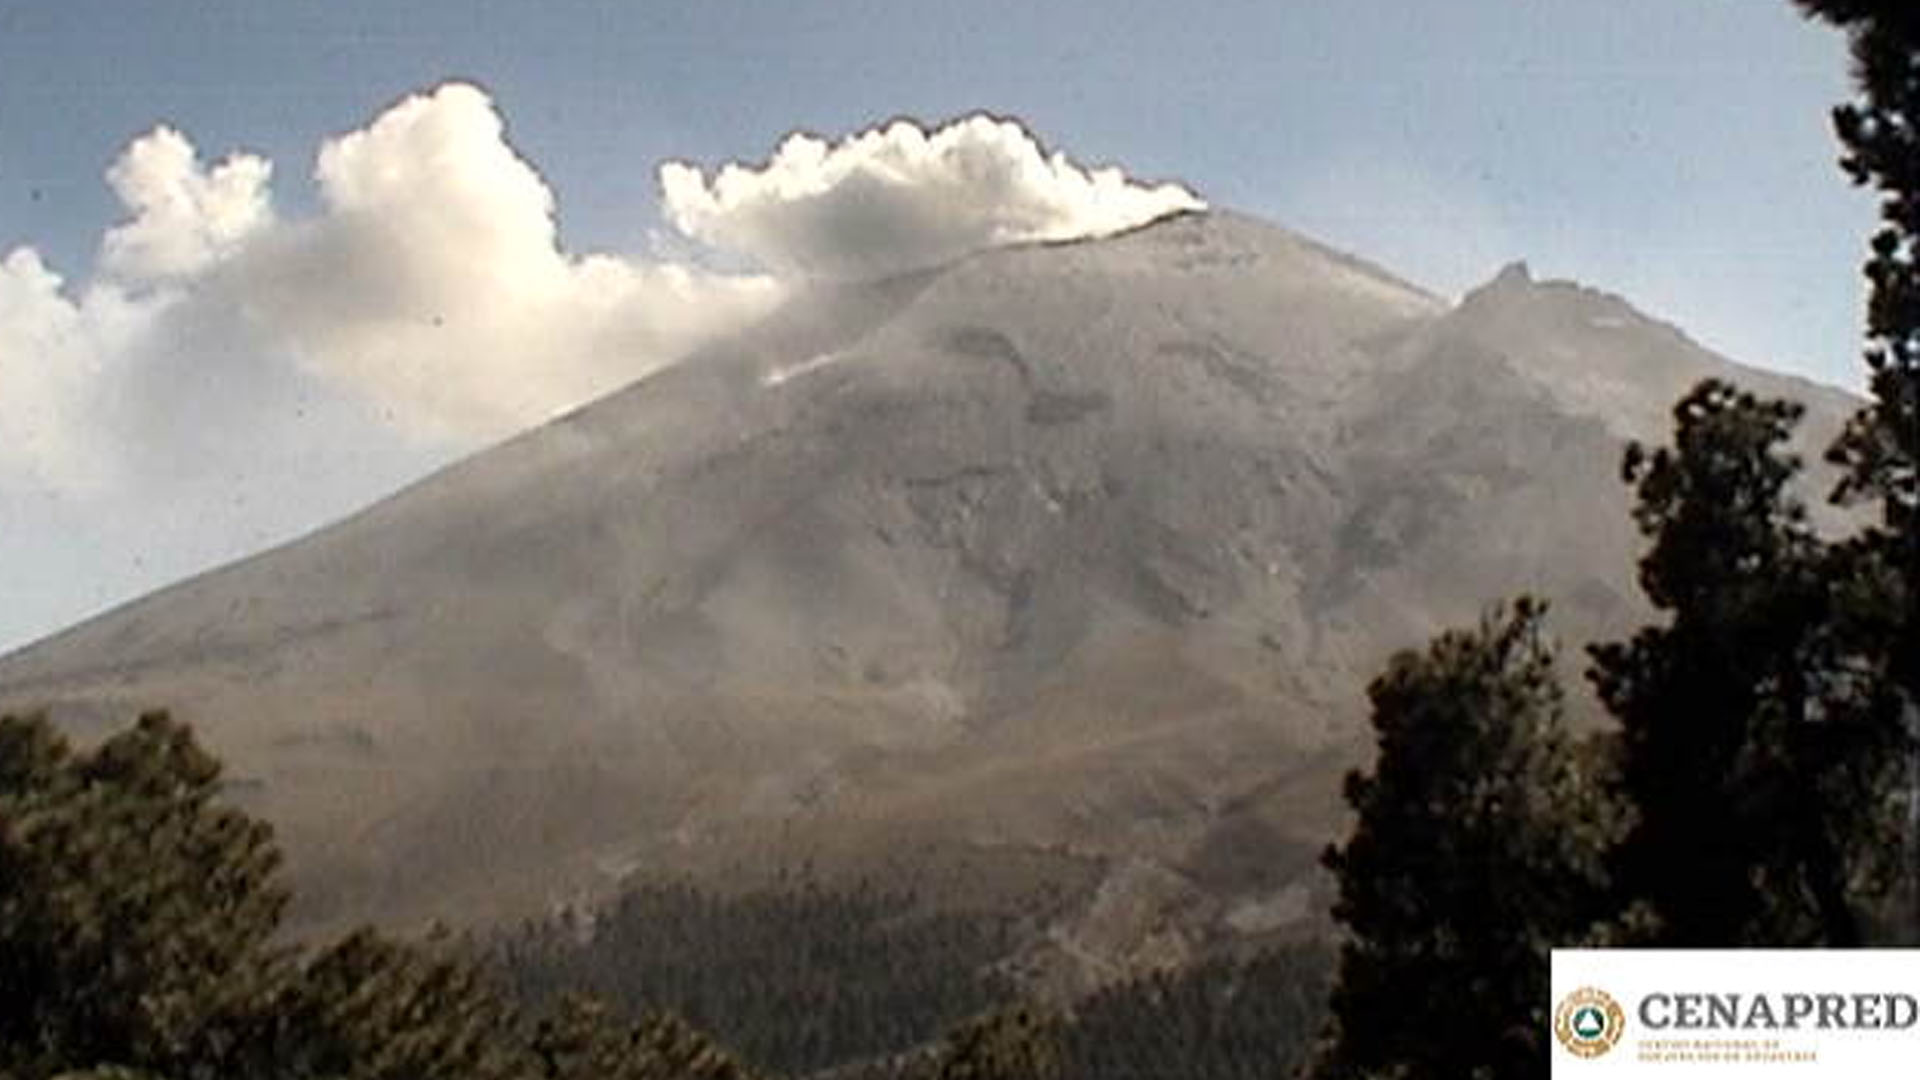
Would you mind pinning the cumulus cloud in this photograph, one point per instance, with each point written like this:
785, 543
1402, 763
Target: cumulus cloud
53, 355
40, 359
900, 197
431, 285
184, 217
434, 280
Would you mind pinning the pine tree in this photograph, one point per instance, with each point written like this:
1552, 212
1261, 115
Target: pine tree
368, 1008
137, 919
1880, 450
1477, 849
1021, 1043
1758, 765
135, 912
583, 1039
1881, 133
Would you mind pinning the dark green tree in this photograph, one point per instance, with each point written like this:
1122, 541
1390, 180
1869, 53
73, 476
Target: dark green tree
1252, 1018
137, 915
582, 1038
1021, 1043
368, 1008
1477, 849
1760, 767
796, 975
1880, 450
1881, 133
135, 911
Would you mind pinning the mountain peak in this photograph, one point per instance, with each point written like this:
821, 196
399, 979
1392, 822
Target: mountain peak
1514, 273
1056, 555
1515, 281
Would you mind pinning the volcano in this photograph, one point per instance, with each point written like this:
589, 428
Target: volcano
1062, 563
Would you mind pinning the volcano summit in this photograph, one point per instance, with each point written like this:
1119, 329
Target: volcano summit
1061, 562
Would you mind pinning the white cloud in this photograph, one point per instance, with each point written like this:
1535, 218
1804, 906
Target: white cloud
54, 353
184, 217
434, 280
431, 284
901, 197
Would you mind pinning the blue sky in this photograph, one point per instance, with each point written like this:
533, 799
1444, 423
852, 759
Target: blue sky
1677, 153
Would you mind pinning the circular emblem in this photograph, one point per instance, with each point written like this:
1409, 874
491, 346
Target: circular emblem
1588, 1022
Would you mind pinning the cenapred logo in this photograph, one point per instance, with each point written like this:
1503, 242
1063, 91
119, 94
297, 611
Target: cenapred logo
1588, 1022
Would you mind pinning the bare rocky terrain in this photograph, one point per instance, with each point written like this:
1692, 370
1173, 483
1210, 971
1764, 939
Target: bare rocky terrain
1060, 569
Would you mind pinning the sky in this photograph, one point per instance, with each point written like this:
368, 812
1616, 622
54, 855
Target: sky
261, 264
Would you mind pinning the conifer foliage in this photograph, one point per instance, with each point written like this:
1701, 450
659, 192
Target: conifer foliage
1881, 133
135, 911
1760, 764
796, 975
1477, 848
138, 916
1880, 451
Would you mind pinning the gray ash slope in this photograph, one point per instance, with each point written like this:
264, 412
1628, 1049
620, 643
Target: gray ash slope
1059, 562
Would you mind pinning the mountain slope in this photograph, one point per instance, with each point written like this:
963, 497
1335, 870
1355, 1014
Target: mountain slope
1066, 561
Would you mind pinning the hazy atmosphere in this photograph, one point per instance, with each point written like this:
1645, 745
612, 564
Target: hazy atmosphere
261, 267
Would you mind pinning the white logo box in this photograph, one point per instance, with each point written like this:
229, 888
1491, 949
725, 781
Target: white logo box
1737, 1012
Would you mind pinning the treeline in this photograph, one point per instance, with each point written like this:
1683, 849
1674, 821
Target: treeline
795, 975
139, 938
1223, 1018
861, 982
